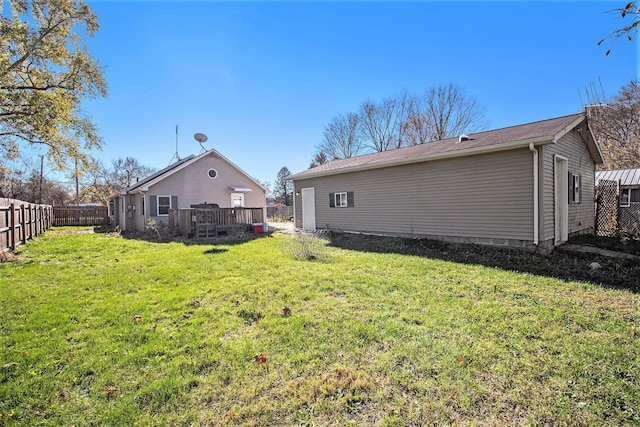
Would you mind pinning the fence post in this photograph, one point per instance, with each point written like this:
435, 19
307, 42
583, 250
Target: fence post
23, 225
40, 219
32, 223
12, 219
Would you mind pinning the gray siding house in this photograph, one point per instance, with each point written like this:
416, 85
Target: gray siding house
208, 178
529, 186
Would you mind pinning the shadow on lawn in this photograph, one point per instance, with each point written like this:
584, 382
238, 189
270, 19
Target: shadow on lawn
615, 273
228, 240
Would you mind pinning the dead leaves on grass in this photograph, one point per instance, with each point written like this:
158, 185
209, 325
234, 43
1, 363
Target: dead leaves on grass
261, 359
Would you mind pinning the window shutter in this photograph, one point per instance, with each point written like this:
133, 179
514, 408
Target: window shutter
174, 202
332, 200
350, 201
153, 201
570, 180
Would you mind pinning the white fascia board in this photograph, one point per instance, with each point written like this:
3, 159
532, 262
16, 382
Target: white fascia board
568, 129
441, 156
595, 143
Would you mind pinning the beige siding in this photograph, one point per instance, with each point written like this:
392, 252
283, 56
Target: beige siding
192, 185
582, 215
487, 196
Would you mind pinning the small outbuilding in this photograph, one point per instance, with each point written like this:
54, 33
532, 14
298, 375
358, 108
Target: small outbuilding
529, 186
206, 182
626, 191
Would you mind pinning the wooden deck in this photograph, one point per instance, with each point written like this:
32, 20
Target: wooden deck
207, 223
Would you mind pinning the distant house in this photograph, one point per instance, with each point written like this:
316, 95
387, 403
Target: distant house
208, 179
529, 186
629, 181
628, 192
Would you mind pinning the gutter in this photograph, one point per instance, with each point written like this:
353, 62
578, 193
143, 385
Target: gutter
536, 231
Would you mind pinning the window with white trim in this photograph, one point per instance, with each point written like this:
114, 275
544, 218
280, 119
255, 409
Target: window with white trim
164, 204
575, 188
625, 197
341, 200
212, 173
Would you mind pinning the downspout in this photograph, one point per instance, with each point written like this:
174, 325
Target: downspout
533, 149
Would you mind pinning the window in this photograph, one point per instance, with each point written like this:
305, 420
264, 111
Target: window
343, 199
635, 195
237, 200
625, 197
575, 190
212, 173
111, 208
142, 205
164, 204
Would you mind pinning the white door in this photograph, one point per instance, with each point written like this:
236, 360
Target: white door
561, 200
237, 200
308, 209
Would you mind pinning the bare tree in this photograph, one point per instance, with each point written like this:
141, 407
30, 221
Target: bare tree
126, 172
616, 126
631, 10
342, 137
99, 183
23, 181
383, 124
443, 112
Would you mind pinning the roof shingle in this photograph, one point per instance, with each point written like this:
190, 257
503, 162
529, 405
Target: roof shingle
448, 147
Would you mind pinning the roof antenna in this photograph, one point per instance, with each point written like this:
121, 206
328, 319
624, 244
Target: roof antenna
201, 138
176, 155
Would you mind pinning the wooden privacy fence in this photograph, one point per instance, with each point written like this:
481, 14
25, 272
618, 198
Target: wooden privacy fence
211, 222
21, 221
279, 211
80, 215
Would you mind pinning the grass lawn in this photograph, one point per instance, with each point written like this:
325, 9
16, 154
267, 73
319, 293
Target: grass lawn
101, 330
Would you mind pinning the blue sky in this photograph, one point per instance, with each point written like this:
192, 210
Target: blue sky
262, 79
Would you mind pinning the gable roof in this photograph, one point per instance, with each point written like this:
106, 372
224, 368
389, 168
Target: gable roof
144, 184
627, 177
157, 174
541, 132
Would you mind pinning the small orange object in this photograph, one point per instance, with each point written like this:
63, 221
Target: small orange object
261, 358
137, 318
109, 390
460, 360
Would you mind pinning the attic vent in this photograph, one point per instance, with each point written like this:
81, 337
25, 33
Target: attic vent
463, 137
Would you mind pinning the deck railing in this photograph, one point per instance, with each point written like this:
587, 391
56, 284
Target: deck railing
201, 223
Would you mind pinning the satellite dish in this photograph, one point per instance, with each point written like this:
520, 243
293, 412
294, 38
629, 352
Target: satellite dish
201, 138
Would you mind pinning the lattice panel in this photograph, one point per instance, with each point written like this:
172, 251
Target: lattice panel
607, 210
